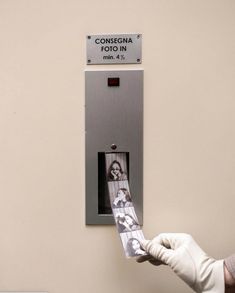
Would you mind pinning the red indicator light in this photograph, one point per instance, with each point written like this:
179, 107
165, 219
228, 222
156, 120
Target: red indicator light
113, 81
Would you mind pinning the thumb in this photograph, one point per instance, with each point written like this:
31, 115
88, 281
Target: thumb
144, 243
157, 251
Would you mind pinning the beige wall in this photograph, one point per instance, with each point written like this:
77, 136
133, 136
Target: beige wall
189, 139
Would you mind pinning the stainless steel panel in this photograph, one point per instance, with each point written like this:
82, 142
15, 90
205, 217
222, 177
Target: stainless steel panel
114, 115
114, 49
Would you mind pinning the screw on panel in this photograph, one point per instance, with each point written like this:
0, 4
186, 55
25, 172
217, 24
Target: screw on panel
138, 36
138, 60
88, 61
89, 37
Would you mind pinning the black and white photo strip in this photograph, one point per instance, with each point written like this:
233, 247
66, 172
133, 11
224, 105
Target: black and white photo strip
122, 206
131, 243
126, 220
119, 193
116, 166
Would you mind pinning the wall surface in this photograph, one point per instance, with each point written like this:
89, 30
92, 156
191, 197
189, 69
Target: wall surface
189, 139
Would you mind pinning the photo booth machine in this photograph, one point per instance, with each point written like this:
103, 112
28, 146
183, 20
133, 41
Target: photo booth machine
113, 123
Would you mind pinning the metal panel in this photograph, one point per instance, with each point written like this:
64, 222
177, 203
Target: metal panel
114, 49
114, 115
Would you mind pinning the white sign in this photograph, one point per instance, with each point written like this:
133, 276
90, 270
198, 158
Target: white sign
106, 49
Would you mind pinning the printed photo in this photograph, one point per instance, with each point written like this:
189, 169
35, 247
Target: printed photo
120, 196
131, 243
122, 205
116, 166
126, 220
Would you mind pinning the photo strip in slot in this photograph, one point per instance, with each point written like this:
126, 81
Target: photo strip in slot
119, 193
116, 166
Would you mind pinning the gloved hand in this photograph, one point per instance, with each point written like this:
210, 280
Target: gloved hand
201, 272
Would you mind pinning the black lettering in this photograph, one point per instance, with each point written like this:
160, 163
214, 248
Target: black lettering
109, 57
123, 48
113, 41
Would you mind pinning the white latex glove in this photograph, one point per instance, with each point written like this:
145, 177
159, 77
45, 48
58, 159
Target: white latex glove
201, 272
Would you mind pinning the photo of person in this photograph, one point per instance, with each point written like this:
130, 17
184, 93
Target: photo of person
126, 222
131, 243
119, 193
133, 247
122, 199
121, 203
115, 172
116, 166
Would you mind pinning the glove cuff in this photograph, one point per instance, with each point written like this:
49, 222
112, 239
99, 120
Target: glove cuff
218, 285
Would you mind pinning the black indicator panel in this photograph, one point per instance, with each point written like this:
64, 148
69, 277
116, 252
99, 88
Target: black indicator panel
113, 81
